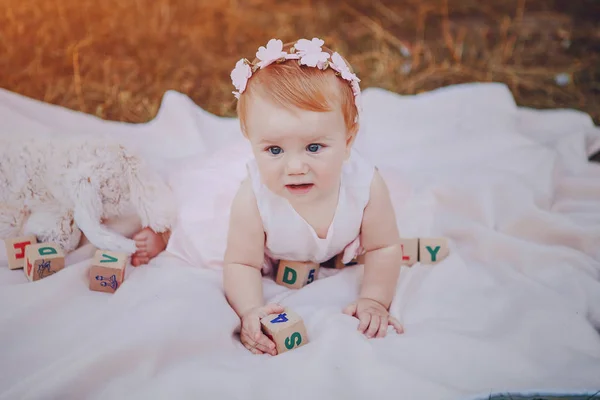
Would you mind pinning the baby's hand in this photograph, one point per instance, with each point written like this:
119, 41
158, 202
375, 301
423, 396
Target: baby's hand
148, 245
374, 317
251, 334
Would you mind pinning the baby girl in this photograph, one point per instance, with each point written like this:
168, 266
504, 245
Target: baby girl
308, 195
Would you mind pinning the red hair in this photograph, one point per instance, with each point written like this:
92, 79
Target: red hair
290, 85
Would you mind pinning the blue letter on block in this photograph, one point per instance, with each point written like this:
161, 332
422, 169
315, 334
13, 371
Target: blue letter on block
311, 276
279, 318
433, 252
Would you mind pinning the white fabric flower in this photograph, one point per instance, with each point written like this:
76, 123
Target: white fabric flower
311, 54
271, 53
239, 76
338, 64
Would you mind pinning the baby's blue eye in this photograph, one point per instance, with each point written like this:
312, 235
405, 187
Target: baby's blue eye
313, 148
275, 150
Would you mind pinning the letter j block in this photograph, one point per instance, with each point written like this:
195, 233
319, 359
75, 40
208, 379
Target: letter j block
107, 272
296, 274
285, 329
15, 250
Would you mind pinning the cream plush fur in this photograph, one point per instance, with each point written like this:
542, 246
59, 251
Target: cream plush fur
57, 189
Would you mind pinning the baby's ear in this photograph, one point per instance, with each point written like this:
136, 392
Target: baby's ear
351, 135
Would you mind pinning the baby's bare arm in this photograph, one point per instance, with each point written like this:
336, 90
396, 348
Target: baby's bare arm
380, 239
245, 253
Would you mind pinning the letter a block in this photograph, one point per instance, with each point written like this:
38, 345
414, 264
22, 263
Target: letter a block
296, 274
410, 251
286, 330
15, 250
433, 250
43, 260
107, 272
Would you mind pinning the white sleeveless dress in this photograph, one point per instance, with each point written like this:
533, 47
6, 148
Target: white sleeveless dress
290, 237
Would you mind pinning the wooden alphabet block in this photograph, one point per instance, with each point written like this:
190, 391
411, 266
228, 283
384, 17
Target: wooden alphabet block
410, 251
357, 260
107, 271
43, 260
15, 250
433, 250
286, 330
296, 274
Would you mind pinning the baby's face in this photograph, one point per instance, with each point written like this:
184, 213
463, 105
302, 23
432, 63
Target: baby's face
299, 153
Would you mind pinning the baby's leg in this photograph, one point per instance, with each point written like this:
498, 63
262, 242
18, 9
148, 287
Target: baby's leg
149, 244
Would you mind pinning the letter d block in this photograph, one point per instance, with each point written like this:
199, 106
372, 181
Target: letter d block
15, 250
433, 250
286, 330
43, 260
296, 274
107, 272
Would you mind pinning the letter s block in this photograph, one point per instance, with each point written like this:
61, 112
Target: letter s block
296, 274
43, 260
285, 329
15, 250
107, 272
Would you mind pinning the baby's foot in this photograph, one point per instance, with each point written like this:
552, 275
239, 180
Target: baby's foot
149, 244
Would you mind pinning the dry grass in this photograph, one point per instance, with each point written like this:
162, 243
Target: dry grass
116, 58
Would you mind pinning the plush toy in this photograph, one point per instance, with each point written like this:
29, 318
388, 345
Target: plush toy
56, 189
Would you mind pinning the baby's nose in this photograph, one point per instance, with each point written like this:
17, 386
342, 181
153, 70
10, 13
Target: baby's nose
296, 166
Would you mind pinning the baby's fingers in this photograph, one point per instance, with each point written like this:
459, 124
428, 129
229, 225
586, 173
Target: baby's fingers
259, 342
383, 326
396, 324
257, 338
364, 320
373, 326
251, 347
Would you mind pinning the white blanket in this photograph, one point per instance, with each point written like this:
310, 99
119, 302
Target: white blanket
514, 308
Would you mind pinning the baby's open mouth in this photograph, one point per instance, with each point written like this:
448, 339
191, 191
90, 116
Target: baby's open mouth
299, 188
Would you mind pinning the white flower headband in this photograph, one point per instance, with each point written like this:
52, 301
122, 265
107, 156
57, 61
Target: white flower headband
307, 52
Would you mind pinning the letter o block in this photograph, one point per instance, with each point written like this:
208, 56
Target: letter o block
286, 330
107, 272
43, 260
296, 274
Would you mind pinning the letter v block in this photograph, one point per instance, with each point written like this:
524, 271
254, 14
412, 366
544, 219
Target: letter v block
285, 329
433, 250
296, 274
15, 250
107, 272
